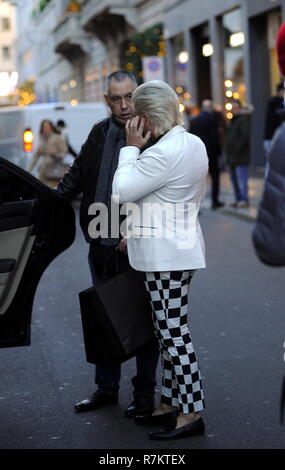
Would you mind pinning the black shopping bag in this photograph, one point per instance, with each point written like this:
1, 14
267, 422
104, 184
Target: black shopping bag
116, 318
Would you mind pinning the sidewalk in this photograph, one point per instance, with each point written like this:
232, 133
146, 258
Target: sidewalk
226, 195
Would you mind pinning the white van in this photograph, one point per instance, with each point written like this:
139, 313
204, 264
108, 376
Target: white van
19, 126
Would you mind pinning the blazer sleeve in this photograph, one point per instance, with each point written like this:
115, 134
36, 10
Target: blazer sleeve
139, 175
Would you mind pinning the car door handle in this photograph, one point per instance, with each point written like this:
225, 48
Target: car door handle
7, 265
17, 214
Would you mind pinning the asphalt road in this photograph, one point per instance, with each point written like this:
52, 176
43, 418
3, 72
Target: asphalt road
237, 320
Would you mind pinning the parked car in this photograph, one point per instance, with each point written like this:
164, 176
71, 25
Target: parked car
19, 126
36, 225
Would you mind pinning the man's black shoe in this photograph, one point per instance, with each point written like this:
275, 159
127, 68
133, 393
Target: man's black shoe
196, 428
143, 406
217, 205
96, 400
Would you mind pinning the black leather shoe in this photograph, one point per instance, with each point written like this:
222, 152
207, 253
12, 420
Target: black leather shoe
194, 429
143, 406
217, 205
96, 400
168, 420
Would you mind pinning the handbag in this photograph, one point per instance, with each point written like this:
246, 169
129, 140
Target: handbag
54, 168
116, 318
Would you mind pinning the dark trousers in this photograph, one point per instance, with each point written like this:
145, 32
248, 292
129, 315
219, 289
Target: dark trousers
104, 264
239, 178
214, 171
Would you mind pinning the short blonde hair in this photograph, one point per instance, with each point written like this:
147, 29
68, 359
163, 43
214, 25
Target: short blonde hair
160, 103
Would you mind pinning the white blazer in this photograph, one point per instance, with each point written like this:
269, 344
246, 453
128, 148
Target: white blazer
172, 172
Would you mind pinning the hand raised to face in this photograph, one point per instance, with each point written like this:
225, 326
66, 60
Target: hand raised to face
135, 132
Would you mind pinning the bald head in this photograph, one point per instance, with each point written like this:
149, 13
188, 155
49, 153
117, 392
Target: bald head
207, 106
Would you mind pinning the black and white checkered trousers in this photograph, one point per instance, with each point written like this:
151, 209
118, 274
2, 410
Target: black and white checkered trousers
181, 377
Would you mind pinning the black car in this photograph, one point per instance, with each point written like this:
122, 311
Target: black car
36, 225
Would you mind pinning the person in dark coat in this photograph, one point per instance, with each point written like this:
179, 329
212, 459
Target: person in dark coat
268, 233
275, 114
237, 152
61, 126
92, 174
206, 126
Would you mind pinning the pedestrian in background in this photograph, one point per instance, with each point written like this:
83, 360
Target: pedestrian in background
275, 115
207, 126
237, 151
61, 126
52, 148
92, 174
173, 171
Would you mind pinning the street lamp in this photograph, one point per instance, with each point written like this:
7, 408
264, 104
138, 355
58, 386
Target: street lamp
237, 39
208, 50
228, 83
183, 57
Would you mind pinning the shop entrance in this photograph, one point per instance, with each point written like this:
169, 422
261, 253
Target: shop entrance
263, 62
200, 38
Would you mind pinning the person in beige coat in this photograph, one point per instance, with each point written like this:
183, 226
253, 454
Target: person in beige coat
52, 146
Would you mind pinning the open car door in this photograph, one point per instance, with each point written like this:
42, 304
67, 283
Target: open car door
36, 225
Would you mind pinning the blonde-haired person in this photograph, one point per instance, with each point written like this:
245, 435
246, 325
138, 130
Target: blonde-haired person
173, 172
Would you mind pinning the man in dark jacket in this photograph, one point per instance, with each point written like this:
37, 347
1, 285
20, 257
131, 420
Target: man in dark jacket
206, 126
237, 152
92, 175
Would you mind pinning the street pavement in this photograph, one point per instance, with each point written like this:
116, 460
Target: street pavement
255, 188
238, 329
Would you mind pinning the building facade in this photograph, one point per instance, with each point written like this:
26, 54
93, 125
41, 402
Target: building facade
220, 49
8, 76
70, 46
215, 49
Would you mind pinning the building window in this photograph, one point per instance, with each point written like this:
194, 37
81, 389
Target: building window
6, 53
5, 24
234, 57
181, 64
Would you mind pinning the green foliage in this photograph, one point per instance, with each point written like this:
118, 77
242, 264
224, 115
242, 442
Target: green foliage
43, 4
148, 43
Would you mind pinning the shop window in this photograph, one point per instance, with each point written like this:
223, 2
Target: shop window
274, 21
6, 24
6, 53
181, 64
234, 39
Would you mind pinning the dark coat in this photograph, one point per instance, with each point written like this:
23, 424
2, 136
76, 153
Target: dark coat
269, 230
274, 117
82, 176
237, 147
206, 126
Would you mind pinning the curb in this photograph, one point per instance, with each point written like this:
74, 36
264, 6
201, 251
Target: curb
248, 215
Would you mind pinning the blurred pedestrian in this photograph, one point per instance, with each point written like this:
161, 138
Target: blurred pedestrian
275, 114
268, 233
61, 126
52, 148
92, 174
207, 126
173, 171
237, 151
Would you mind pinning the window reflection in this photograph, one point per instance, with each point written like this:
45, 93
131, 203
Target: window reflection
234, 55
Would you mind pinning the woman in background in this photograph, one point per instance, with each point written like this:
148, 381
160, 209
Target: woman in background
53, 148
